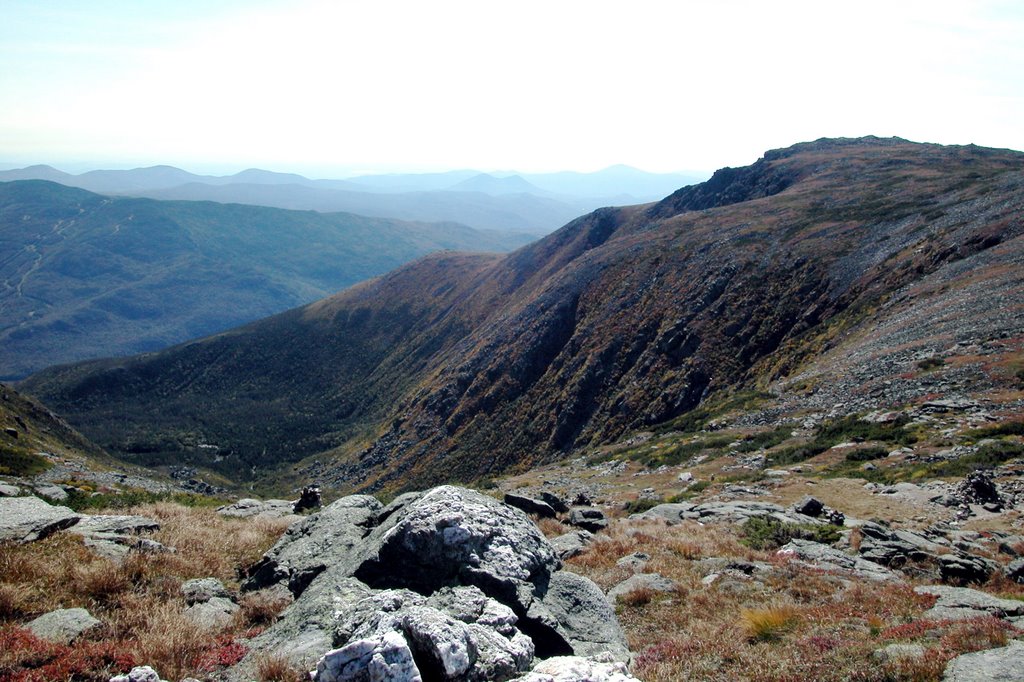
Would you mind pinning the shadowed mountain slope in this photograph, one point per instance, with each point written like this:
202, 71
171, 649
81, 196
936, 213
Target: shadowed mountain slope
85, 276
458, 366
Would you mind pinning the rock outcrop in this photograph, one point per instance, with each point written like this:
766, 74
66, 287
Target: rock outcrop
448, 584
25, 519
1005, 664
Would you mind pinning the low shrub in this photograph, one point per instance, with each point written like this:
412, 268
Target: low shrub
15, 461
767, 533
866, 454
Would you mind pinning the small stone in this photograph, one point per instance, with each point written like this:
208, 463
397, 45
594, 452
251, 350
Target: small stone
642, 581
200, 590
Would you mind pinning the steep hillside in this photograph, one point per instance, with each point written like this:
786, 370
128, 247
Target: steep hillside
28, 429
456, 367
85, 276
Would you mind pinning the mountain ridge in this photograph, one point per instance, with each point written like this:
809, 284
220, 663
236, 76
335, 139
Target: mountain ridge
90, 276
624, 319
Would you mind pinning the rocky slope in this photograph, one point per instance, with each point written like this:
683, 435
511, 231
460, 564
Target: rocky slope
819, 273
86, 276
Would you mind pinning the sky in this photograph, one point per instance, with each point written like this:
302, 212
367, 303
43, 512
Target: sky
330, 89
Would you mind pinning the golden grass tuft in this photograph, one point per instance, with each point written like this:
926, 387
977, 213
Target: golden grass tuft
769, 624
552, 528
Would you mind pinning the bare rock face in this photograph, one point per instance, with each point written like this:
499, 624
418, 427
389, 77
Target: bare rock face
448, 584
25, 519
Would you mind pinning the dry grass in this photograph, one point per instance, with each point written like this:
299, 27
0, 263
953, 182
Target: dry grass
796, 624
769, 624
552, 528
139, 600
278, 669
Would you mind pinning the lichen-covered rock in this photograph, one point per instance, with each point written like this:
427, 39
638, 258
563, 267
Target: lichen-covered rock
248, 507
25, 519
1005, 664
454, 535
584, 623
199, 590
642, 581
956, 603
577, 669
141, 673
588, 518
63, 625
311, 545
467, 585
530, 505
830, 558
572, 543
381, 658
213, 614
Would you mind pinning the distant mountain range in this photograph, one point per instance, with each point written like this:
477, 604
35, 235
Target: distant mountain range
823, 273
536, 203
84, 275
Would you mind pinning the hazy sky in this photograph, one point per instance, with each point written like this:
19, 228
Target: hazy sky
325, 88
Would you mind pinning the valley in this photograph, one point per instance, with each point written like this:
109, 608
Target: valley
768, 428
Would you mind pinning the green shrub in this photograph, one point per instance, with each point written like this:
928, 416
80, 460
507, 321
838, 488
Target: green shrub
16, 461
1014, 428
80, 500
765, 439
866, 454
767, 533
642, 504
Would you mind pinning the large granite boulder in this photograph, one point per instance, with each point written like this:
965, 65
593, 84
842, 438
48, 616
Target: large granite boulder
461, 585
25, 519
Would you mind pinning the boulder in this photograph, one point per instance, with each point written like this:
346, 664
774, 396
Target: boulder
467, 585
671, 512
555, 502
100, 523
1015, 570
584, 622
961, 569
530, 505
213, 614
310, 545
249, 507
634, 562
309, 498
51, 491
955, 603
572, 543
9, 490
25, 519
142, 673
577, 669
809, 506
63, 626
1005, 664
201, 590
588, 518
832, 559
381, 658
642, 581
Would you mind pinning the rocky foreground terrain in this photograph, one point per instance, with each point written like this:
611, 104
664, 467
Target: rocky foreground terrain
553, 582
